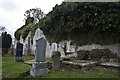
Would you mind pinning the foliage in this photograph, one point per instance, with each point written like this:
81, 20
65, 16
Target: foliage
27, 29
36, 13
32, 16
83, 23
6, 42
0, 41
29, 20
18, 32
2, 28
21, 30
83, 55
97, 54
24, 31
71, 20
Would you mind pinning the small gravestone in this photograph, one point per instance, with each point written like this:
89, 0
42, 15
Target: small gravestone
56, 60
19, 52
54, 47
39, 66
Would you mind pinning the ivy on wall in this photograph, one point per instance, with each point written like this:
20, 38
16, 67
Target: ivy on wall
83, 23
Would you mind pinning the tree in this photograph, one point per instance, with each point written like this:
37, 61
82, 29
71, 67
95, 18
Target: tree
6, 42
32, 16
36, 13
83, 23
2, 28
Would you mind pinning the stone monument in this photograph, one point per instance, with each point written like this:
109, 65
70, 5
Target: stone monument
39, 66
19, 52
56, 60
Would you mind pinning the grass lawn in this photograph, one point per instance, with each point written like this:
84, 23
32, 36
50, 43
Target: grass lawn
11, 69
89, 74
0, 67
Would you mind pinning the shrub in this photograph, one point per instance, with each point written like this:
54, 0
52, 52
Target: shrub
83, 54
97, 54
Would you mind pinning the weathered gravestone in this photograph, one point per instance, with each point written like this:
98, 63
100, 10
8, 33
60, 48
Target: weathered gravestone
39, 66
56, 60
29, 46
19, 52
54, 47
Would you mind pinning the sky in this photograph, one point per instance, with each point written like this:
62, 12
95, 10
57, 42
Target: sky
12, 11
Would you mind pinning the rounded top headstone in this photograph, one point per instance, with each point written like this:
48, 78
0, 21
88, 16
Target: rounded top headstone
39, 34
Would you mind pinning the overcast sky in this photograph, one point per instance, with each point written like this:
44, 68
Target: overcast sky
12, 11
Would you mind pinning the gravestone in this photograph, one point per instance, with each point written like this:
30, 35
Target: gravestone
19, 52
39, 66
54, 47
56, 60
40, 50
38, 35
29, 48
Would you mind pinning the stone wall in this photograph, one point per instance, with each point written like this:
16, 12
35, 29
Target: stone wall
114, 48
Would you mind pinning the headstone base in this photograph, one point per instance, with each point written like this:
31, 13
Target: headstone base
39, 69
19, 59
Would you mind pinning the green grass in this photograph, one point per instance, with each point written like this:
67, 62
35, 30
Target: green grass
11, 69
0, 67
89, 74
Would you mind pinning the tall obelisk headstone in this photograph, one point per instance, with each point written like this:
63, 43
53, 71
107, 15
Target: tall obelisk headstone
39, 66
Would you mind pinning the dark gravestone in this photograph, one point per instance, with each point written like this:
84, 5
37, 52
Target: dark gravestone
40, 50
39, 66
19, 52
56, 60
